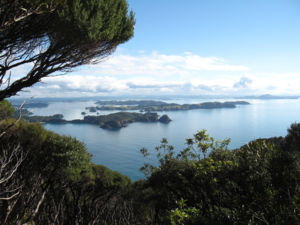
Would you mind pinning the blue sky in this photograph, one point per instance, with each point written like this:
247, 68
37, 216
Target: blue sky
232, 47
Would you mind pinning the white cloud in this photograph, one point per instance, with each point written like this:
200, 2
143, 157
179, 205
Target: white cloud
157, 64
76, 85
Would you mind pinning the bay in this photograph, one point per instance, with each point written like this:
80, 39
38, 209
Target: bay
119, 149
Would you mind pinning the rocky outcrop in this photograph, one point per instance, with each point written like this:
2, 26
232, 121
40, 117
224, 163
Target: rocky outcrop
165, 119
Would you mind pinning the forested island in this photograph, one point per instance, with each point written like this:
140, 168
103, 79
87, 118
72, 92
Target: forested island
150, 105
110, 121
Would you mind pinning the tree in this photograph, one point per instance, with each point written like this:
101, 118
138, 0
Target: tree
49, 36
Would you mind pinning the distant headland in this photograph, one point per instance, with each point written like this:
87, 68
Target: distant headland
156, 106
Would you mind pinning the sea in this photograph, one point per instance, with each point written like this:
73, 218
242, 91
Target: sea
119, 150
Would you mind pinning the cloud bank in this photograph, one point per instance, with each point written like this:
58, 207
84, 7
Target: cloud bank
156, 64
158, 74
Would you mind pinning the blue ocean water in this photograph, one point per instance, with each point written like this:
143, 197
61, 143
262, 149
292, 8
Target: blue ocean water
119, 149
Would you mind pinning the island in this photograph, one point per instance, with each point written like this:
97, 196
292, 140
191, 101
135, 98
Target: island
29, 105
156, 106
57, 118
110, 121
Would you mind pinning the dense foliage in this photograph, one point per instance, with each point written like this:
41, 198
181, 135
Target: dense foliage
6, 110
255, 184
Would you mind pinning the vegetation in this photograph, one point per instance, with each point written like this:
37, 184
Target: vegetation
57, 35
208, 184
6, 110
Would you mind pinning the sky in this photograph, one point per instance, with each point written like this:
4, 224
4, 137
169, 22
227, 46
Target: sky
195, 47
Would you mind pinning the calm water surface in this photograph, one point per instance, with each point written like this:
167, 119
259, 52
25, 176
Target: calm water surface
119, 150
